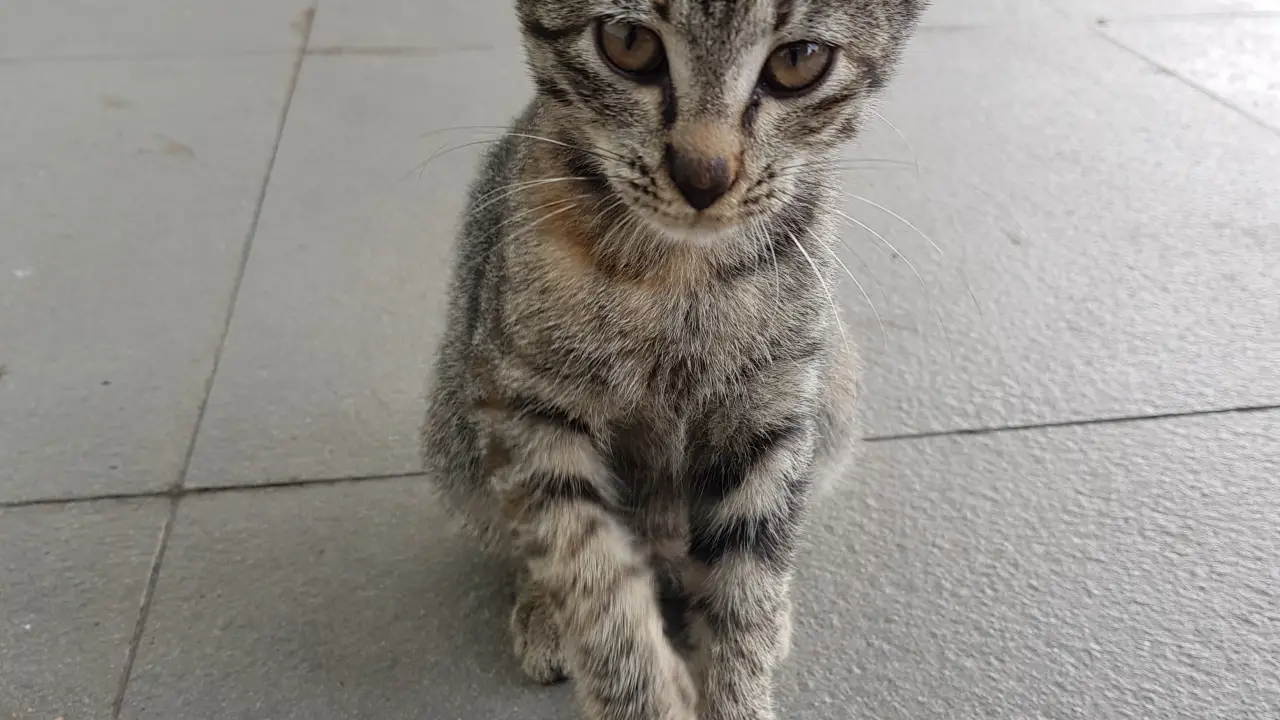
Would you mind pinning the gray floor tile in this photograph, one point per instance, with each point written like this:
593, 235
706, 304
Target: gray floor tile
38, 28
441, 25
1098, 572
125, 207
1119, 571
324, 367
1117, 271
944, 15
71, 580
1110, 10
1236, 59
346, 601
455, 24
1114, 224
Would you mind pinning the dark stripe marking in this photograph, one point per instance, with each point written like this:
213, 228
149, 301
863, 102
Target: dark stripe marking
832, 103
546, 34
545, 489
727, 471
668, 104
781, 351
663, 8
783, 14
551, 89
875, 78
770, 538
583, 165
537, 409
753, 110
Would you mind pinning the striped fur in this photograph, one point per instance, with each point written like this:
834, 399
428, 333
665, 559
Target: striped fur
632, 396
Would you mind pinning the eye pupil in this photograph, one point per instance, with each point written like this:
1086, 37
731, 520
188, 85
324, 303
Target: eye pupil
632, 50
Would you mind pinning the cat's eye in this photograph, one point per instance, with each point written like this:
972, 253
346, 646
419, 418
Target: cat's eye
796, 67
631, 49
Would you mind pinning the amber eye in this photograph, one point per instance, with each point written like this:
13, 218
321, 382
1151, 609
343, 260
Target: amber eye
796, 67
632, 49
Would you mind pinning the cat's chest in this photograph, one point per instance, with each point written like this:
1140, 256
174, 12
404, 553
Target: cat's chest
669, 338
680, 347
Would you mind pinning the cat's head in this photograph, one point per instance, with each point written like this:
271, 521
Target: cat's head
702, 115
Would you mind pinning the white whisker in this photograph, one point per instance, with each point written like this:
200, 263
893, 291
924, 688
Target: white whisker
847, 164
884, 335
835, 313
532, 210
456, 128
445, 150
513, 188
777, 273
919, 278
900, 219
421, 168
928, 239
914, 158
530, 227
604, 154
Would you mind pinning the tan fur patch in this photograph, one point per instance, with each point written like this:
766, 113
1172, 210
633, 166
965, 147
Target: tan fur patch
709, 141
578, 258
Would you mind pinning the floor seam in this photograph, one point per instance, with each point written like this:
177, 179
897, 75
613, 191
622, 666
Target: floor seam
1212, 95
175, 492
1104, 20
247, 248
1085, 422
144, 609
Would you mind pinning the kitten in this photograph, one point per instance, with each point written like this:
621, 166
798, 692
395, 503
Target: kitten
643, 376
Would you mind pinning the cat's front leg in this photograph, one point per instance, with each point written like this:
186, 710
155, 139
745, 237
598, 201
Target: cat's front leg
745, 519
588, 568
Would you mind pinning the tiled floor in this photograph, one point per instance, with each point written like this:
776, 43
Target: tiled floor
221, 277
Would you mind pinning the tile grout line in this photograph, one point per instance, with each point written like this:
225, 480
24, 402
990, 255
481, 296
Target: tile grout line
176, 491
174, 494
1217, 98
1087, 422
413, 51
1193, 17
144, 608
430, 51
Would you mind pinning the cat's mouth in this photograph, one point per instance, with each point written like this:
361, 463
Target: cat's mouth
673, 218
699, 227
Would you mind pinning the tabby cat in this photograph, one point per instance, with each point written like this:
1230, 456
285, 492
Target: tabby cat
643, 378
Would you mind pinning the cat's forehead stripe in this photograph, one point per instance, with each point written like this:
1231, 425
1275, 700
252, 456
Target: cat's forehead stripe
782, 14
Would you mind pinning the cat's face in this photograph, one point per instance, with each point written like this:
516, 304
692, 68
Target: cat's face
704, 115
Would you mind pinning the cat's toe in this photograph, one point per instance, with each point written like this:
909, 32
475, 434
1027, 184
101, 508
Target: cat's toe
536, 639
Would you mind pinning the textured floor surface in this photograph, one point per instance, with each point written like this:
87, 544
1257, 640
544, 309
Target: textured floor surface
221, 278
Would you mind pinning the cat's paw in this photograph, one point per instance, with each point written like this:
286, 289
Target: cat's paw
682, 690
739, 714
536, 638
738, 710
